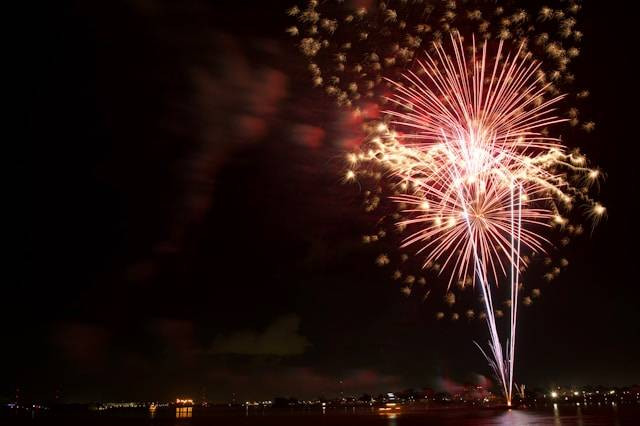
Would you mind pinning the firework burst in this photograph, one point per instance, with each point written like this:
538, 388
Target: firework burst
464, 143
478, 182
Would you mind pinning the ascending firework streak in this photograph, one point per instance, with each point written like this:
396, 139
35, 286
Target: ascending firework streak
478, 177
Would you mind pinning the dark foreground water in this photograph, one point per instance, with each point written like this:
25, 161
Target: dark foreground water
563, 415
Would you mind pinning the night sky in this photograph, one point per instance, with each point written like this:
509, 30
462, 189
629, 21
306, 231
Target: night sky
185, 230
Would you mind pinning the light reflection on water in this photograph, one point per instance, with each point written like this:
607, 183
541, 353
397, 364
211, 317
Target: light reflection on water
183, 412
552, 415
393, 419
510, 417
568, 416
579, 416
515, 417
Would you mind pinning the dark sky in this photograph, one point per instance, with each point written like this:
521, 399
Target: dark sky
186, 231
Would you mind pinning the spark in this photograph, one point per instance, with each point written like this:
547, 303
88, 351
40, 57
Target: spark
350, 175
382, 260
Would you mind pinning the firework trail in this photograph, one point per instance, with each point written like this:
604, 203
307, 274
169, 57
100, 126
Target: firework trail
476, 176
